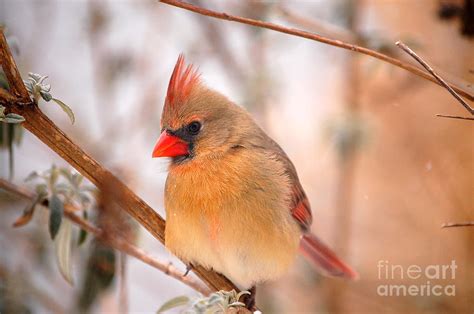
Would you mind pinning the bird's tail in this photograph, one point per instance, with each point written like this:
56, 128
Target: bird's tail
324, 258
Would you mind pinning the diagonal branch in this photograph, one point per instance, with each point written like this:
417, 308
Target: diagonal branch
17, 88
43, 128
454, 117
458, 224
442, 82
308, 35
115, 242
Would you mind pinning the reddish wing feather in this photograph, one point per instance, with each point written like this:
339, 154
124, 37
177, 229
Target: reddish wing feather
299, 204
300, 208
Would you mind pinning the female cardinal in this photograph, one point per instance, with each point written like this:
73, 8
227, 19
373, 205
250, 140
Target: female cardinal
232, 197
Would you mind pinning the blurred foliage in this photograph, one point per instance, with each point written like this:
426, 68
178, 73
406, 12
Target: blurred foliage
11, 298
11, 132
348, 132
56, 188
217, 302
100, 272
10, 117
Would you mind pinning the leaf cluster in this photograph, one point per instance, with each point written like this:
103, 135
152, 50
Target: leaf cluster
39, 90
56, 188
217, 302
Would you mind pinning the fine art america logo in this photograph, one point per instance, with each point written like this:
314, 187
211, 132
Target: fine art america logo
430, 277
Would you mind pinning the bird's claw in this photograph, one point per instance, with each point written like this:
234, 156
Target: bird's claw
189, 267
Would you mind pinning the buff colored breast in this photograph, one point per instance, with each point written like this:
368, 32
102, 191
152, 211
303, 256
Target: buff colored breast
205, 205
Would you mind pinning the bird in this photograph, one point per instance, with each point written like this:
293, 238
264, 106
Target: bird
232, 197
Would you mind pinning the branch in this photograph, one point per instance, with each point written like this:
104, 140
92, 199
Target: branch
308, 35
436, 76
114, 242
321, 27
458, 224
132, 250
17, 88
43, 128
5, 96
454, 117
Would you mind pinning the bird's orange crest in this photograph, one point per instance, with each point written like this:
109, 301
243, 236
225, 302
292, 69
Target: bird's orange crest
181, 82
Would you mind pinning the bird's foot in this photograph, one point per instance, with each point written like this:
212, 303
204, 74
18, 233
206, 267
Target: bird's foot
189, 267
249, 299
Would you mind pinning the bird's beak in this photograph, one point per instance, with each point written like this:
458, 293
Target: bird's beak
170, 146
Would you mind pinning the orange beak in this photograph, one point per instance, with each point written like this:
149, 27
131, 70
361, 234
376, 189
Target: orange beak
170, 146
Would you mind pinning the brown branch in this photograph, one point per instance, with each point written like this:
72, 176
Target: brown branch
17, 88
321, 27
442, 82
308, 35
43, 128
14, 189
458, 224
454, 117
5, 96
130, 249
115, 242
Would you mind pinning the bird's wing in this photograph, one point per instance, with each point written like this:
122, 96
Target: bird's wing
300, 208
299, 204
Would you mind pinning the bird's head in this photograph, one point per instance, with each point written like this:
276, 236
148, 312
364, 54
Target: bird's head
196, 121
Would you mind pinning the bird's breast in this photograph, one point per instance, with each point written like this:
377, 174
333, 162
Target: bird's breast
231, 218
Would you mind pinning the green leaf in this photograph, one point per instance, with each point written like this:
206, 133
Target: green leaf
82, 232
66, 174
99, 275
53, 176
11, 159
77, 179
66, 109
56, 208
173, 303
41, 189
82, 237
13, 118
63, 249
27, 213
46, 95
64, 189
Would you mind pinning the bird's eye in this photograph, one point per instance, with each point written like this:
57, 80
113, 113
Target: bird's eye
194, 127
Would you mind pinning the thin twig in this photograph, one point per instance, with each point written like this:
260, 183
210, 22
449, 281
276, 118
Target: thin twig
43, 128
321, 27
308, 35
458, 224
115, 242
130, 249
14, 189
454, 117
442, 82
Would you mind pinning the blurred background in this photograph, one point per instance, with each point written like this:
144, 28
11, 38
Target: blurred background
381, 171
